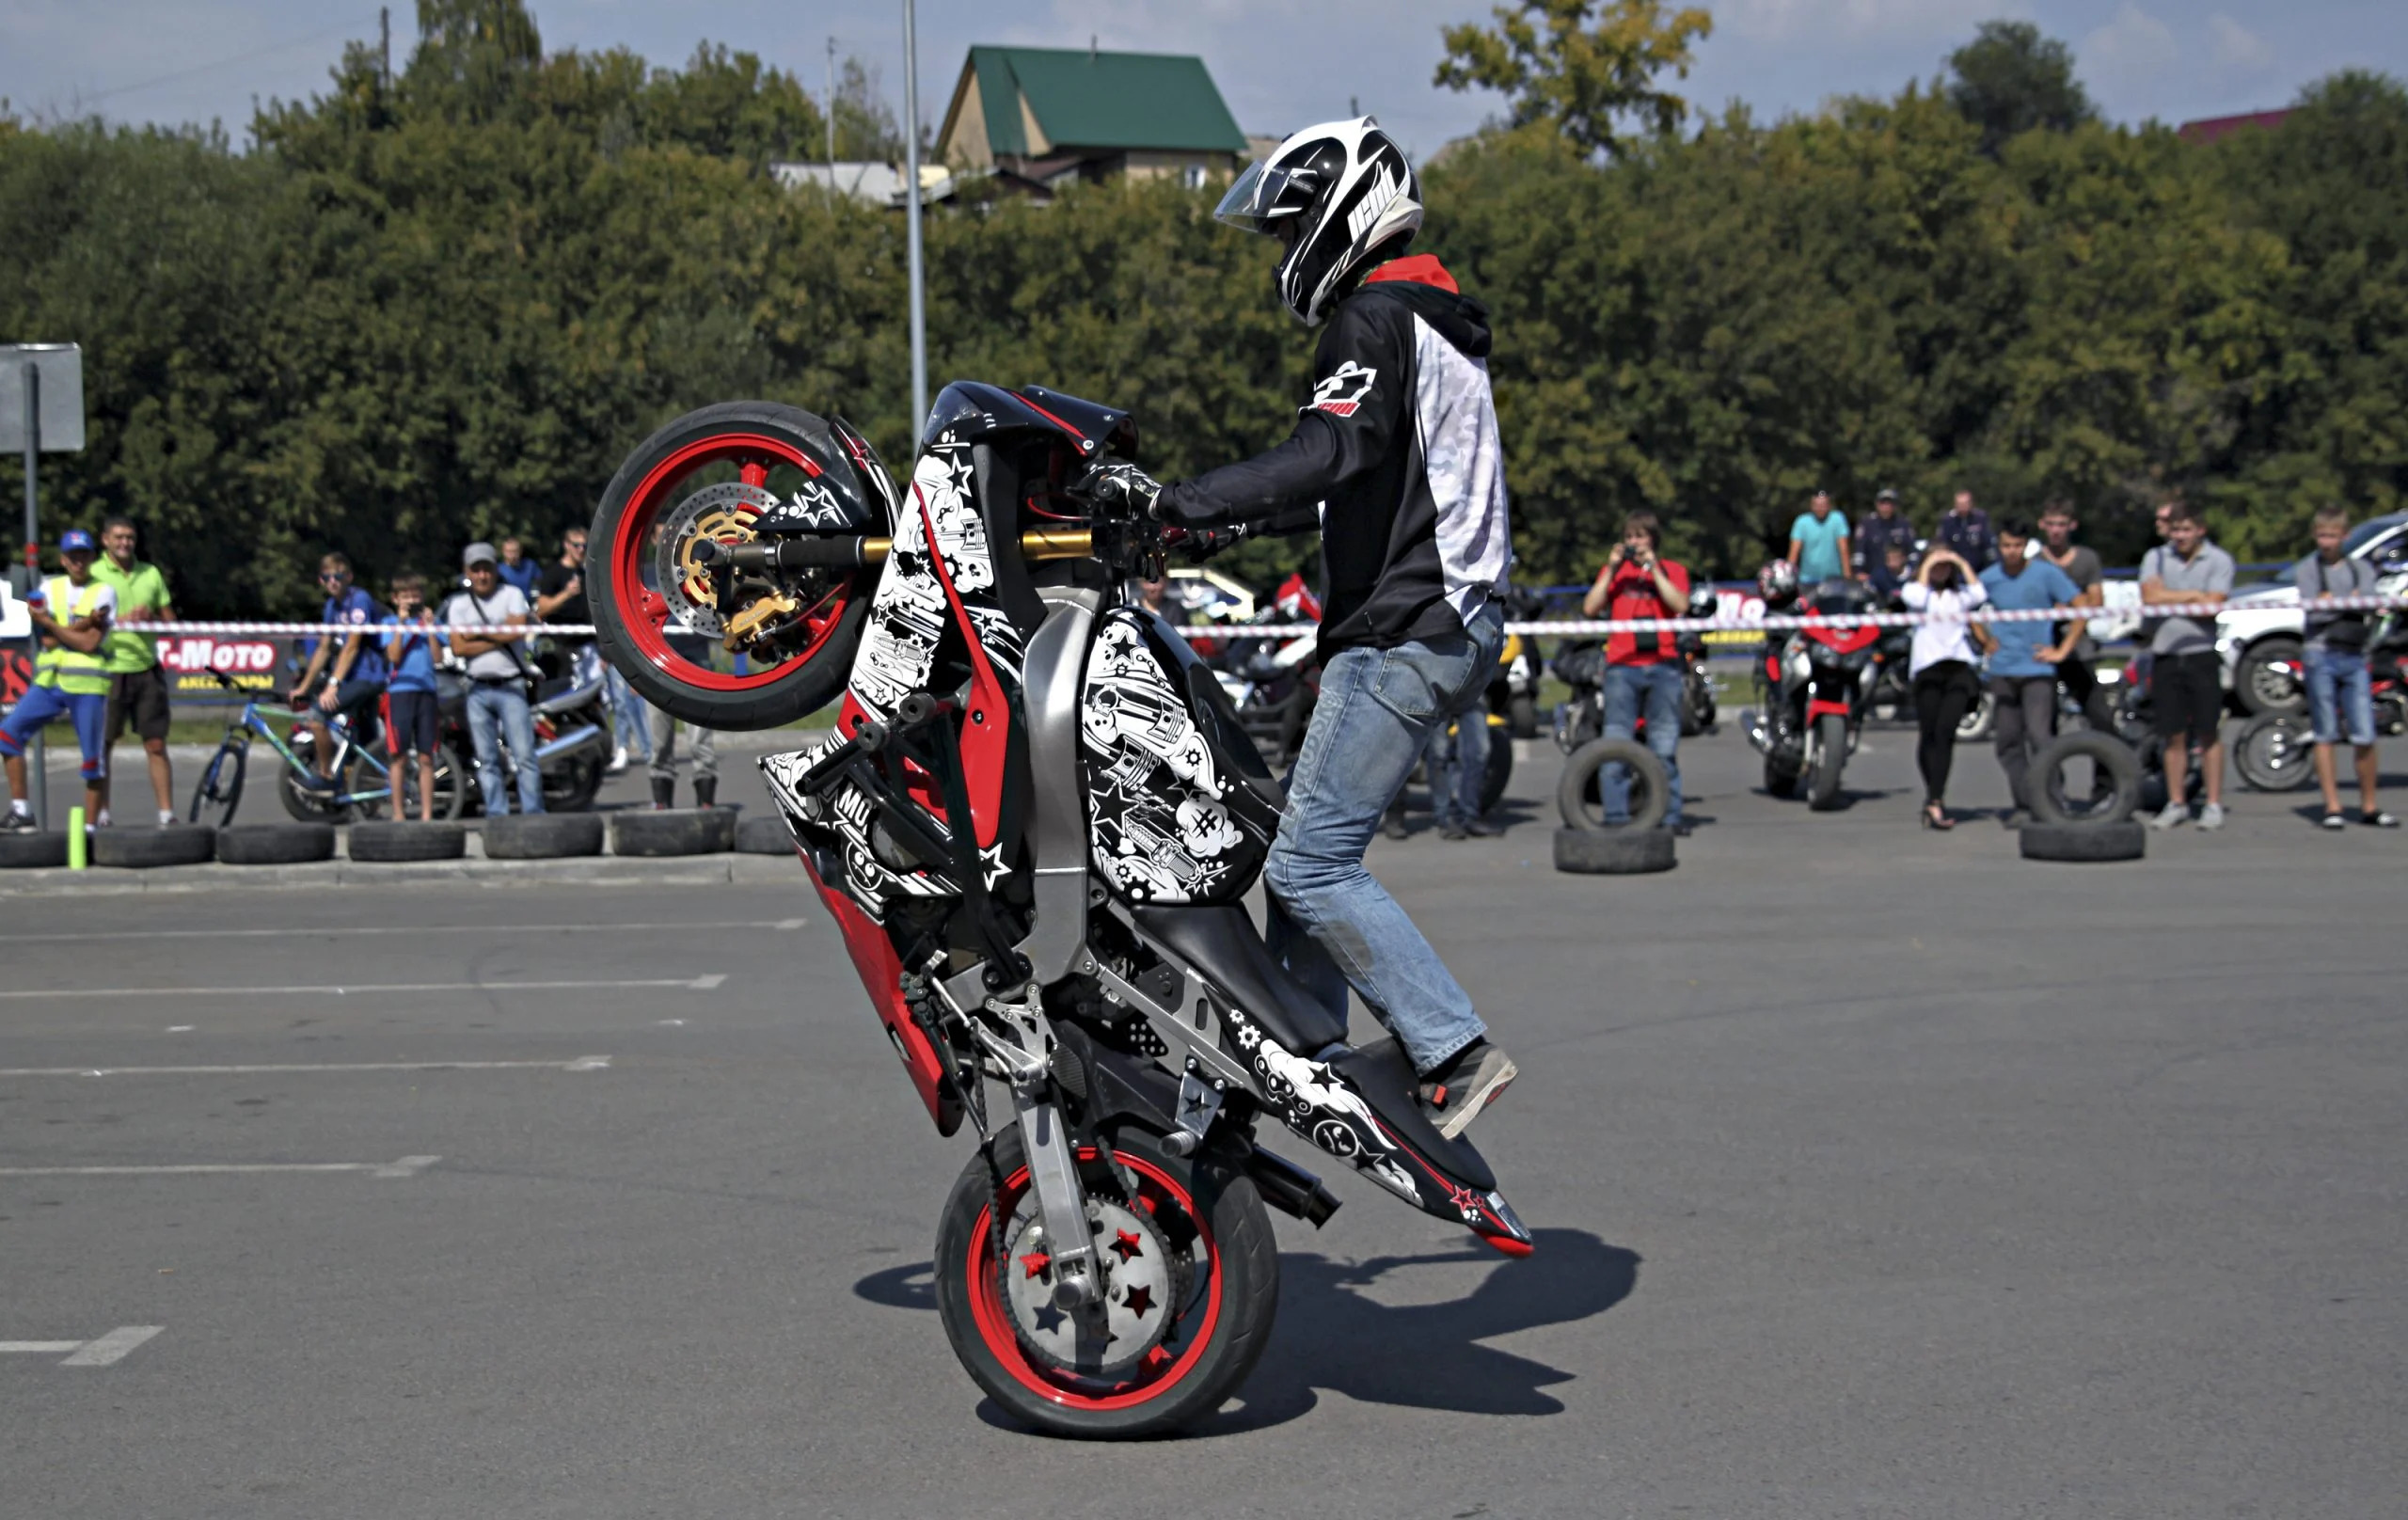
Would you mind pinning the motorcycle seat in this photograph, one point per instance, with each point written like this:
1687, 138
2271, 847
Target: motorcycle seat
1224, 946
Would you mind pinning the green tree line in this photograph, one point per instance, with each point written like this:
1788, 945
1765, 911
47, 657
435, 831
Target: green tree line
414, 311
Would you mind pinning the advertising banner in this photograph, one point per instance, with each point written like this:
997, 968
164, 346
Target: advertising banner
257, 664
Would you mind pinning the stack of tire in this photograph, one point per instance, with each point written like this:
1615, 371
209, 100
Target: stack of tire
1588, 843
2098, 826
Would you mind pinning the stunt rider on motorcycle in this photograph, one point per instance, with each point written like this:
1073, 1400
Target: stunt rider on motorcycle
1396, 459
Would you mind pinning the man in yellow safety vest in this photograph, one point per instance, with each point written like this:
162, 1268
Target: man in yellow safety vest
71, 613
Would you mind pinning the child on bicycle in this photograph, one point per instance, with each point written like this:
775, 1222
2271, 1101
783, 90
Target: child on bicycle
410, 703
71, 613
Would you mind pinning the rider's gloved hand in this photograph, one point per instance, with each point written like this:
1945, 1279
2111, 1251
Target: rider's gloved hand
1114, 483
1201, 544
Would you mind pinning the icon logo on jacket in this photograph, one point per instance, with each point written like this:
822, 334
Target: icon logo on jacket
1342, 394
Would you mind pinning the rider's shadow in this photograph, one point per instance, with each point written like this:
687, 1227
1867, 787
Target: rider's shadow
1329, 1335
1332, 1336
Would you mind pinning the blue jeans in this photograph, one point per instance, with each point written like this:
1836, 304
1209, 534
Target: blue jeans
498, 713
2338, 687
630, 724
1660, 687
1333, 924
1458, 764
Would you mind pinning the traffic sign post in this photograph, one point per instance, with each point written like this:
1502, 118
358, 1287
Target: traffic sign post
41, 410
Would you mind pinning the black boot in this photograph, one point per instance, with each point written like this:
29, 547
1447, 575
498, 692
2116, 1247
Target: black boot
664, 793
707, 791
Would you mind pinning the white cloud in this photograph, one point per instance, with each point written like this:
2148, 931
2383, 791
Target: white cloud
2239, 48
2134, 47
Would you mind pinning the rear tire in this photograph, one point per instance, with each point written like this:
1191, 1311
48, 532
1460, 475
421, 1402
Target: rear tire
1831, 759
2275, 753
1225, 1320
638, 496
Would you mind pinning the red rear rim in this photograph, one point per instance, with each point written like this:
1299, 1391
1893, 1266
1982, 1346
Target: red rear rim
1162, 1368
646, 612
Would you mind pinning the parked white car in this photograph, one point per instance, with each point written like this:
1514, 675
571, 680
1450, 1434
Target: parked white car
2259, 633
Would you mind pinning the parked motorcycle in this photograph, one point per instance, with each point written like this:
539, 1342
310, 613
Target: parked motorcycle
1035, 825
1580, 664
2275, 751
1810, 697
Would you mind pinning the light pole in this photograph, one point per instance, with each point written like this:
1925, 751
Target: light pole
912, 209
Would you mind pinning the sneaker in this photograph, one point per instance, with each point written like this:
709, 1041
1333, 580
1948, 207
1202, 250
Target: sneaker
2379, 819
2174, 816
310, 780
17, 823
2336, 822
1456, 1092
1453, 830
167, 818
618, 760
2211, 816
1482, 829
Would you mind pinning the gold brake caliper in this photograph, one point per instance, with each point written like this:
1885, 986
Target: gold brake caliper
728, 525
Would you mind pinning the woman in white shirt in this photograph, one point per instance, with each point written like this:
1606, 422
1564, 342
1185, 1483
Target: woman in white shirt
1942, 667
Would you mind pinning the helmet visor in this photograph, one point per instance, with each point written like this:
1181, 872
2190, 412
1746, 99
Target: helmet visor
1254, 203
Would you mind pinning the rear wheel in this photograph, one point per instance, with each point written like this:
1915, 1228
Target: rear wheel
2268, 677
1830, 758
307, 803
714, 474
2276, 752
1191, 1281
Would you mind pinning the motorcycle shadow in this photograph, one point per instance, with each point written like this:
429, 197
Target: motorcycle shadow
1331, 1336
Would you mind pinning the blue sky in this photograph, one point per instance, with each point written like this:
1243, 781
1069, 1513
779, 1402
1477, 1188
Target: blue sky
1281, 64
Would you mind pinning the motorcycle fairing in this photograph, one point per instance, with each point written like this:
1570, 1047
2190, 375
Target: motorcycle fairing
1175, 812
882, 974
939, 580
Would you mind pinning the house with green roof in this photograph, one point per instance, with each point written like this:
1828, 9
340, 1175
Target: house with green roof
1042, 116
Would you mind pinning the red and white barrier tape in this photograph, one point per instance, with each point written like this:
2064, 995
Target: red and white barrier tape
1784, 622
1576, 627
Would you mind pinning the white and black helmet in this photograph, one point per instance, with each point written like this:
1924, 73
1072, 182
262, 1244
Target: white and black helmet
1340, 196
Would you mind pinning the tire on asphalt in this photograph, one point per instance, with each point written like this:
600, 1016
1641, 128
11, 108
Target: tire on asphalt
1578, 801
674, 831
543, 836
1830, 762
408, 840
765, 835
2274, 753
32, 852
2083, 842
140, 848
2044, 779
276, 844
1614, 852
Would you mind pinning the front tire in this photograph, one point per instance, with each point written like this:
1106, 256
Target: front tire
2267, 679
1212, 1219
1830, 758
221, 785
2275, 753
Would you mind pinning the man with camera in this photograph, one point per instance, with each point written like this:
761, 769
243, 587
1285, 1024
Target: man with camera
1642, 670
2341, 688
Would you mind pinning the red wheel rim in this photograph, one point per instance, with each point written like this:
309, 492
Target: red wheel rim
645, 612
1150, 1379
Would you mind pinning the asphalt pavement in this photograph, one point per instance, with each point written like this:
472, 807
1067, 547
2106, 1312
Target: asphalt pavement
1875, 1172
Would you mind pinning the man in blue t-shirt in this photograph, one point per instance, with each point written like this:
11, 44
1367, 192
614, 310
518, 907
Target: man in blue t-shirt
1818, 543
347, 673
410, 706
2023, 656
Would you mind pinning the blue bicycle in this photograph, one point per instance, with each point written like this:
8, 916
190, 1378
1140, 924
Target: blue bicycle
358, 783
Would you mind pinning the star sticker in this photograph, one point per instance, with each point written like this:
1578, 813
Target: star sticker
991, 862
1049, 1319
1128, 1246
1140, 1301
1036, 1262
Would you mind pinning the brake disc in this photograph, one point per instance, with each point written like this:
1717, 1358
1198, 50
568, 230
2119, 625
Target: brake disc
1140, 1297
726, 514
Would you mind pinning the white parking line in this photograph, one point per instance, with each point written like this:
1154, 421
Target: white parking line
349, 929
583, 1062
691, 984
110, 1349
104, 1351
406, 1167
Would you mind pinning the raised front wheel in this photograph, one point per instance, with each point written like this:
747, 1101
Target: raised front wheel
732, 652
1191, 1277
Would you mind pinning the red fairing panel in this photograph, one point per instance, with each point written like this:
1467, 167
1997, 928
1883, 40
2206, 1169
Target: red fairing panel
881, 976
1818, 708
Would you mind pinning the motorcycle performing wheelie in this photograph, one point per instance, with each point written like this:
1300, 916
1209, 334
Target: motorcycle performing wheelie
1035, 824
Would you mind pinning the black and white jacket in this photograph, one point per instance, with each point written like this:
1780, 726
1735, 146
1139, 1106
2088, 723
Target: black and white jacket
1398, 451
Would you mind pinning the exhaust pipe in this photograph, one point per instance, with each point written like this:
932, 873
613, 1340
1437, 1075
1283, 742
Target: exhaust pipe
568, 743
1758, 734
1291, 1189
